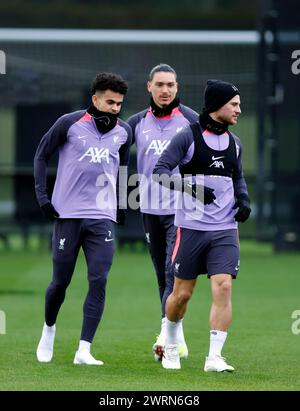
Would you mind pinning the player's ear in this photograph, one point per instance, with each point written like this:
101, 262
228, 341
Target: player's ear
94, 99
149, 86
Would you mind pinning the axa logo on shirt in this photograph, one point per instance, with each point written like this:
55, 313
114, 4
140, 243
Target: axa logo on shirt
158, 146
216, 162
96, 155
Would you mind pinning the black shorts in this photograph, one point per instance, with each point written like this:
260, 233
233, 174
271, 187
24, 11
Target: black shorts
205, 252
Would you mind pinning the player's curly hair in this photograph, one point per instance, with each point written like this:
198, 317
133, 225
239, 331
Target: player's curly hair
109, 81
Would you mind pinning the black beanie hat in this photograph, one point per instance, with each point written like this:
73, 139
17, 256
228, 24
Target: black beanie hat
217, 93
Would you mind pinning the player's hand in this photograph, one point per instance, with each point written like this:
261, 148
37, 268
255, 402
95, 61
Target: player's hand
195, 189
49, 211
244, 210
121, 216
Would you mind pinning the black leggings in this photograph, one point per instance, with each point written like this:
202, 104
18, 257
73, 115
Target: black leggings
97, 240
160, 235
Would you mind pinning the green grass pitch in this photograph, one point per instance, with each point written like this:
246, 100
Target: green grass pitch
260, 343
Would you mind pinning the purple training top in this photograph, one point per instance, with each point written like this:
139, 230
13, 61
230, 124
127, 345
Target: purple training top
191, 213
152, 135
88, 165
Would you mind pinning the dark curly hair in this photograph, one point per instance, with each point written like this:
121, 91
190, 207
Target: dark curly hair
109, 81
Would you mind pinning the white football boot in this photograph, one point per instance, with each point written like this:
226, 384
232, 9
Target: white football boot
158, 347
85, 357
170, 358
183, 350
217, 364
44, 352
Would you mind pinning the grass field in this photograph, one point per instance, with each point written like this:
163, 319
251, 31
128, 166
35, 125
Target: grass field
260, 344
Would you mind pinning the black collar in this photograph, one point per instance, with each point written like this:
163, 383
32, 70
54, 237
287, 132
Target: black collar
207, 123
163, 111
104, 121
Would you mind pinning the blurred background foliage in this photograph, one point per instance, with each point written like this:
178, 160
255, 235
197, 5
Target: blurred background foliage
131, 14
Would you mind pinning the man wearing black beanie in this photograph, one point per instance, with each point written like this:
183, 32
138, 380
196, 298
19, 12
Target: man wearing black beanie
209, 157
217, 93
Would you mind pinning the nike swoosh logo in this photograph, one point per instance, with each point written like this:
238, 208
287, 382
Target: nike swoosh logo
146, 131
109, 239
81, 136
216, 158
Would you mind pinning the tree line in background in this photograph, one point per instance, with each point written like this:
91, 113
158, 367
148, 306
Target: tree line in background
131, 14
